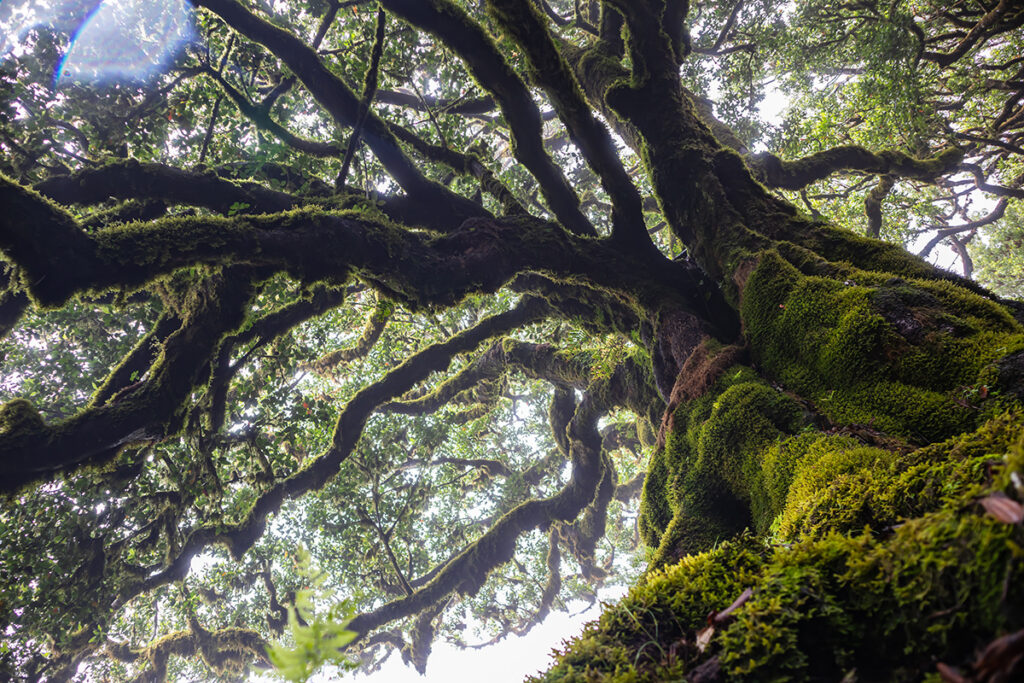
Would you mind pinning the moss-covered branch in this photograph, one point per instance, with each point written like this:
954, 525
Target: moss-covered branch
466, 572
453, 26
343, 105
375, 325
795, 175
550, 70
226, 651
57, 259
131, 179
30, 449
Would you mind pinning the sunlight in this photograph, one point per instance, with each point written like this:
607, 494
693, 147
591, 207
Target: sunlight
129, 40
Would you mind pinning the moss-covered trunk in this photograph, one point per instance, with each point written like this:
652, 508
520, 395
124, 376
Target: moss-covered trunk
846, 477
835, 494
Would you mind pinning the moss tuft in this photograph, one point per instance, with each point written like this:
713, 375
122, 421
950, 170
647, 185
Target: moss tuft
885, 603
876, 350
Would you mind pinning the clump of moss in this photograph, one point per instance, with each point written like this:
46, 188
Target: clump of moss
844, 489
881, 604
703, 486
19, 416
874, 349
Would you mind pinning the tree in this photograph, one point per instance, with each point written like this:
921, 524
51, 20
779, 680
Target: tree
425, 294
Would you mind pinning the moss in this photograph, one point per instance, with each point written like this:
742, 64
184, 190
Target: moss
876, 350
706, 484
632, 641
20, 417
836, 488
885, 603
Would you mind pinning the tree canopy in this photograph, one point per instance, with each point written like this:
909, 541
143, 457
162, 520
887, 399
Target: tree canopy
357, 326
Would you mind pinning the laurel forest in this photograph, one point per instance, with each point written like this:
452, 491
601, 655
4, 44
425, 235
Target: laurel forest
336, 329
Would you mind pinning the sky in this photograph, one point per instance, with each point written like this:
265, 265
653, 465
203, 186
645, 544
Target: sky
509, 661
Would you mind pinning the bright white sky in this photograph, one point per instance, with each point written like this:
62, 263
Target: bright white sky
510, 661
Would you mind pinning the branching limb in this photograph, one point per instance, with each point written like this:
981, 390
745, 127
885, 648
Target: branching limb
342, 104
240, 537
795, 175
995, 214
466, 572
57, 259
551, 71
261, 332
455, 28
264, 121
581, 536
988, 25
463, 163
31, 449
138, 360
873, 203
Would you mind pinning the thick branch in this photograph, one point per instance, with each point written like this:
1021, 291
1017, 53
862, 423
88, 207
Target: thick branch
57, 259
131, 179
453, 26
343, 105
795, 175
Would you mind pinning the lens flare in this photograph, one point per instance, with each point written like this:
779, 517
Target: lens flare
126, 40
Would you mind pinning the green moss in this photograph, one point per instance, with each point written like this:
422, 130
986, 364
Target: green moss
19, 417
886, 603
876, 350
845, 489
706, 484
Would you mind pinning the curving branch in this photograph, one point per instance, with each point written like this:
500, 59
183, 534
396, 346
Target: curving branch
465, 573
369, 90
455, 28
991, 23
342, 104
873, 203
795, 175
592, 476
375, 325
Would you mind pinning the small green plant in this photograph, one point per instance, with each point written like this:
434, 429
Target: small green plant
237, 207
320, 635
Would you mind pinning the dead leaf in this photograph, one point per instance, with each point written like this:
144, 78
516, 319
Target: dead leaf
704, 637
1001, 657
1003, 509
